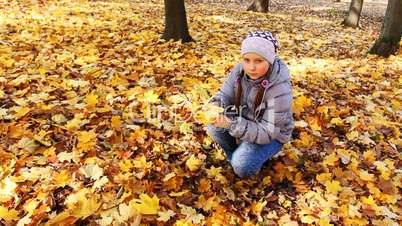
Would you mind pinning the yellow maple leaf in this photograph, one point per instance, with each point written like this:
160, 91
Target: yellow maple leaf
186, 128
286, 221
324, 222
26, 220
91, 99
169, 176
345, 155
126, 165
86, 207
330, 159
266, 180
207, 204
177, 99
20, 111
323, 177
301, 124
27, 144
193, 163
208, 114
368, 201
80, 205
31, 205
76, 83
369, 156
116, 122
323, 110
83, 60
7, 62
124, 213
92, 171
8, 215
396, 105
146, 204
374, 189
314, 123
382, 167
37, 173
42, 70
183, 222
191, 214
366, 176
79, 61
204, 185
333, 186
142, 163
177, 194
306, 217
305, 140
7, 189
336, 121
300, 103
41, 138
257, 208
352, 135
61, 179
165, 215
86, 139
199, 92
65, 156
211, 203
150, 97
49, 152
76, 122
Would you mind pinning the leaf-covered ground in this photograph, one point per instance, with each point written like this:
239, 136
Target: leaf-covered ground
100, 119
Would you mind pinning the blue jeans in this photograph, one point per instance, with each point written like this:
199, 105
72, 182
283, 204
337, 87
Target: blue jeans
246, 158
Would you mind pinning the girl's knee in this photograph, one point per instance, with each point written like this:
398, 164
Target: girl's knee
211, 129
215, 132
244, 162
244, 169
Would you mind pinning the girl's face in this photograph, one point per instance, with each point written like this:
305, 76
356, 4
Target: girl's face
254, 65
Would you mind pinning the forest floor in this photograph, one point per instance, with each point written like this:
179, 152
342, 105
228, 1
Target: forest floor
371, 8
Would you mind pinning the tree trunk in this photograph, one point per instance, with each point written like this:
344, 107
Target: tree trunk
391, 30
355, 9
261, 6
176, 21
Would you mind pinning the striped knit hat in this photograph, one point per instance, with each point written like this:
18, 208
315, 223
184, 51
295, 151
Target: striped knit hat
262, 43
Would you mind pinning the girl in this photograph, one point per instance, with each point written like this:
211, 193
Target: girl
257, 98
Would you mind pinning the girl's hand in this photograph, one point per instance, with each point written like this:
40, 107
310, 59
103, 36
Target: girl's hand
222, 122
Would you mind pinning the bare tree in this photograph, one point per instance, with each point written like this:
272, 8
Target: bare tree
259, 6
355, 9
391, 30
176, 21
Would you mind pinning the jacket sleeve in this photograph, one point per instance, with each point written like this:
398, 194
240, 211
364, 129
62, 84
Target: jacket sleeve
277, 115
226, 95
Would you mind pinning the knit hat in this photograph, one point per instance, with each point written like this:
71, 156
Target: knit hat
262, 43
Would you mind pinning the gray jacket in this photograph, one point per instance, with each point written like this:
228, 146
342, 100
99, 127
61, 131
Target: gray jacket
276, 117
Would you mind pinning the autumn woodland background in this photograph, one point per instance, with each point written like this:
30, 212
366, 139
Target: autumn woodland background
82, 144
